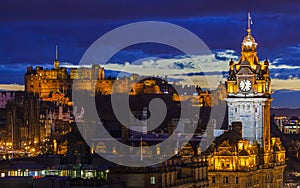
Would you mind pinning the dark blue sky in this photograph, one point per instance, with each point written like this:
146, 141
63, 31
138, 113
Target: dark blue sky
29, 30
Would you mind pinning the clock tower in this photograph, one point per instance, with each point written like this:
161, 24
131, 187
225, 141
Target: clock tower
245, 155
249, 94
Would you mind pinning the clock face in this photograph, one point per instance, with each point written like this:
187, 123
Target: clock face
245, 85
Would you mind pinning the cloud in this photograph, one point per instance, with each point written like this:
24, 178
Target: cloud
288, 56
203, 70
284, 66
288, 84
199, 69
172, 66
11, 87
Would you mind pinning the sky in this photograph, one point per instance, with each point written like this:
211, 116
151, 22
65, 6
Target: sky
29, 31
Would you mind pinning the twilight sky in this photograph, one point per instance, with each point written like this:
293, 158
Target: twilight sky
29, 31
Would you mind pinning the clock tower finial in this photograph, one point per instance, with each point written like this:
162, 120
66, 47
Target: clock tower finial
249, 47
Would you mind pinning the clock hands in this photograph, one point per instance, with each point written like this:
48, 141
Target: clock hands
245, 85
244, 88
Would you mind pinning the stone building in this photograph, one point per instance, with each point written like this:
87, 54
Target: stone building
176, 172
245, 155
236, 162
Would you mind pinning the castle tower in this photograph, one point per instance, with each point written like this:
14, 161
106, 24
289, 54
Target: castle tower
249, 93
56, 61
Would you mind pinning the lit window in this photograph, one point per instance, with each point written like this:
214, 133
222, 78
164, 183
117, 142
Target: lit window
152, 180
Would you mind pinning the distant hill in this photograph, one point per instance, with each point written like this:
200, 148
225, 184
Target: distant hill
285, 111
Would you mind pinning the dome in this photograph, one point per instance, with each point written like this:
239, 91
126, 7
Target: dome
231, 136
249, 41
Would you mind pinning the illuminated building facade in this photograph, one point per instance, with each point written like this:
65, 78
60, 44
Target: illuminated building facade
245, 155
292, 126
53, 112
280, 121
52, 85
236, 162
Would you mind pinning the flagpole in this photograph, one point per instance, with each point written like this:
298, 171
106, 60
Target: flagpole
249, 17
249, 23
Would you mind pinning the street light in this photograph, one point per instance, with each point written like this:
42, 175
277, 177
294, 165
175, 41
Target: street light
106, 174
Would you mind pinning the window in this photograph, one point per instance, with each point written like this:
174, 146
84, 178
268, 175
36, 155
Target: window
227, 163
236, 180
213, 179
225, 179
152, 180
